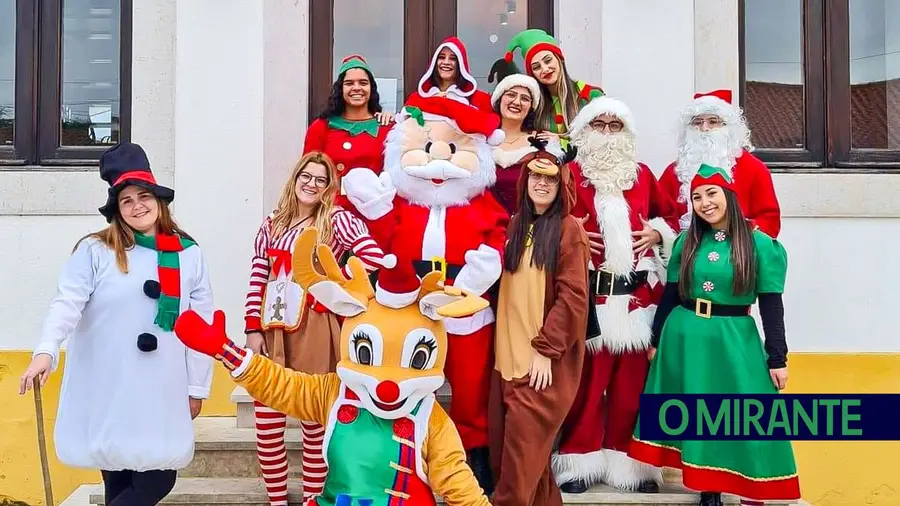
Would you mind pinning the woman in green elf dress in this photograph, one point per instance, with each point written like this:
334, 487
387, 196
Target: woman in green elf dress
706, 342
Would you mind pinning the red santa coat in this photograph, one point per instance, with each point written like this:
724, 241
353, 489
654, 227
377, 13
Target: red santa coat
755, 193
625, 320
347, 150
468, 239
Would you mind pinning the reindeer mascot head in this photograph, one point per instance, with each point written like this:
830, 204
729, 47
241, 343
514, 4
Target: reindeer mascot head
386, 438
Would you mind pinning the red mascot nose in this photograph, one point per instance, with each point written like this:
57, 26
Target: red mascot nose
388, 391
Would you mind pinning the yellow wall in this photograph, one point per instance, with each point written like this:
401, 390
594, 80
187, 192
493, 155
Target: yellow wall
20, 463
831, 473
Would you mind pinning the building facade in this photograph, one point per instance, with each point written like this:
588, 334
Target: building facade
219, 92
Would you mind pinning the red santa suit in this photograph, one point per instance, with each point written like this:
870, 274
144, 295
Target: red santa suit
752, 180
596, 434
430, 212
467, 91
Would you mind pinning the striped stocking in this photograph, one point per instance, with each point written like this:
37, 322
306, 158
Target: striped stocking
314, 468
272, 453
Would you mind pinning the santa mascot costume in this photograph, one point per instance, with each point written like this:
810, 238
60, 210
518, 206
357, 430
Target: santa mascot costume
430, 208
631, 223
712, 131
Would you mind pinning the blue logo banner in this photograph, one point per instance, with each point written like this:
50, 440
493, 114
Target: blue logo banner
800, 417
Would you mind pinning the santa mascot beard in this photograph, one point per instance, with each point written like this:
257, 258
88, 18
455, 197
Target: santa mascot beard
608, 161
454, 191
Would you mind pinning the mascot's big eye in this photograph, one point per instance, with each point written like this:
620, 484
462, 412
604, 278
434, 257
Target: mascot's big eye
428, 147
420, 350
366, 345
452, 148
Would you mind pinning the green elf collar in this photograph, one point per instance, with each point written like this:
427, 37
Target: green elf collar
167, 247
354, 128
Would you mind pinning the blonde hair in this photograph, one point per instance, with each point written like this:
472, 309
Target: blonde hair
119, 237
288, 206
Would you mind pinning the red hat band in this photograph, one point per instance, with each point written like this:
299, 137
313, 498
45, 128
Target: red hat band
138, 175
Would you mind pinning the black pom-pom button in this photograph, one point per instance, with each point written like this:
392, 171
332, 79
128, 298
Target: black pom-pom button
151, 289
146, 342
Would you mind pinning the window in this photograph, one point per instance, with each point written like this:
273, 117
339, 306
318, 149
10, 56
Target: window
821, 81
65, 85
397, 38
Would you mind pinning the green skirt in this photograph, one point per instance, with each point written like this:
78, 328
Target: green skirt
719, 355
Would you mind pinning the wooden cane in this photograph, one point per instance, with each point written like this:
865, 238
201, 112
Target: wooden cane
42, 442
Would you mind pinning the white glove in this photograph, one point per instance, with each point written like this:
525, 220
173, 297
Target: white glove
372, 195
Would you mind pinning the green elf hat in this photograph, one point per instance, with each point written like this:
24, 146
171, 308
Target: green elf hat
354, 61
532, 42
707, 174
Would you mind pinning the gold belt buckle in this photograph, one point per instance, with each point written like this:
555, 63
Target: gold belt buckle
439, 264
704, 314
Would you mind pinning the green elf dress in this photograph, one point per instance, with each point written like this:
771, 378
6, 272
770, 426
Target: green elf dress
711, 345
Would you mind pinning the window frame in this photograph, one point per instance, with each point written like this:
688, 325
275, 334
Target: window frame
38, 85
826, 74
425, 24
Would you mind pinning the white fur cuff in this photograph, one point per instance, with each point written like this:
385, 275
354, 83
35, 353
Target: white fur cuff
668, 238
481, 271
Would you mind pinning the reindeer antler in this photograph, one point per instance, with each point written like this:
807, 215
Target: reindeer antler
343, 296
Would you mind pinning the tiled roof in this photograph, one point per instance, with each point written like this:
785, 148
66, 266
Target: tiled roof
775, 114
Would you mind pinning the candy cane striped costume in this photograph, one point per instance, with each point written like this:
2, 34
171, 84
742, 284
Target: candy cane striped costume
309, 332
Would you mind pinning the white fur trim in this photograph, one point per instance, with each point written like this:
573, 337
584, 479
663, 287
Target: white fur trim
622, 331
434, 239
614, 221
336, 299
244, 364
395, 300
569, 467
389, 261
599, 106
668, 238
555, 147
513, 80
460, 64
421, 423
466, 325
709, 104
481, 270
504, 158
496, 138
625, 473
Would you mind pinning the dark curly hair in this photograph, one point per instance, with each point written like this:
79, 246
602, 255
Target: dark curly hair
336, 105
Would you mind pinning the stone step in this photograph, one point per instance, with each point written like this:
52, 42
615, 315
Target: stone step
223, 450
250, 492
246, 417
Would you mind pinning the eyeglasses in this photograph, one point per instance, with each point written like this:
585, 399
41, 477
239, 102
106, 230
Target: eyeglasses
614, 126
306, 177
543, 178
713, 122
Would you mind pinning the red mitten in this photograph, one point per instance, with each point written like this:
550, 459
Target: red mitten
198, 335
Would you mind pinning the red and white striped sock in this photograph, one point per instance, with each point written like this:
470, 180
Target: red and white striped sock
272, 453
314, 468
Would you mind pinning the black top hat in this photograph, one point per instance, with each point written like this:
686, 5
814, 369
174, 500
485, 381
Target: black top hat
127, 164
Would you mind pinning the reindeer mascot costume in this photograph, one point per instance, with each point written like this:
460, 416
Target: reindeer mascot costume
387, 441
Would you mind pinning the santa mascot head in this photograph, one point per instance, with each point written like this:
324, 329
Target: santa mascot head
604, 133
439, 151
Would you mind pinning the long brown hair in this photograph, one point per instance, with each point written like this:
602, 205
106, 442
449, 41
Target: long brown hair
742, 250
288, 207
545, 229
119, 237
568, 96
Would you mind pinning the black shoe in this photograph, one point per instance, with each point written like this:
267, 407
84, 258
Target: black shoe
710, 499
574, 487
479, 462
648, 487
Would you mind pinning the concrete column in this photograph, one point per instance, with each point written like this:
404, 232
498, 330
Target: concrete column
578, 25
716, 45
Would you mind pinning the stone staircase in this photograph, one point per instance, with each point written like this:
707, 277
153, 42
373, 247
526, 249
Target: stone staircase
224, 470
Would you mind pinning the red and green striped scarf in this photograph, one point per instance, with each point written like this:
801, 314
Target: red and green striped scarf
169, 302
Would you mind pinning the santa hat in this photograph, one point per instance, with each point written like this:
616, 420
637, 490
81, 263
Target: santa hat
598, 107
459, 49
718, 102
463, 117
514, 80
353, 61
531, 42
397, 287
707, 174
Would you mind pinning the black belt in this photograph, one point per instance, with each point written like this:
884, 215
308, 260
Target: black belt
423, 267
706, 309
605, 283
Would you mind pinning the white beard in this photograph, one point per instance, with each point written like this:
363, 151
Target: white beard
718, 148
607, 161
423, 192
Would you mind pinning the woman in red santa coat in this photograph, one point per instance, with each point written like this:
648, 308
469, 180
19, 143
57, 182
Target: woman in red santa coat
448, 75
352, 128
714, 132
631, 223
